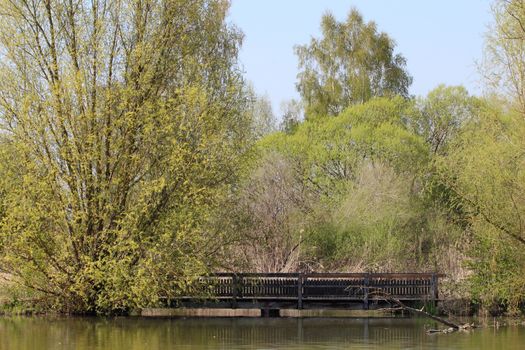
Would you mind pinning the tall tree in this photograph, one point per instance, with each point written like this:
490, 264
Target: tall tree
291, 115
125, 121
443, 113
504, 67
351, 63
264, 121
485, 172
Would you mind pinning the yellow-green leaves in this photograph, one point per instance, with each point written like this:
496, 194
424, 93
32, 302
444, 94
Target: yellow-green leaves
484, 172
504, 59
329, 150
123, 124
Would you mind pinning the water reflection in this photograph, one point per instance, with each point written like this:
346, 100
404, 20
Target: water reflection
138, 333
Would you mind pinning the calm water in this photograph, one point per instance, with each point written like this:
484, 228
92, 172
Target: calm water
150, 334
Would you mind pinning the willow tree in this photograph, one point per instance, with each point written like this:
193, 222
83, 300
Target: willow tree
483, 170
351, 63
123, 123
504, 59
484, 175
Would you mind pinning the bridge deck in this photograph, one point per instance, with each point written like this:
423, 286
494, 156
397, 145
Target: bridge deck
298, 290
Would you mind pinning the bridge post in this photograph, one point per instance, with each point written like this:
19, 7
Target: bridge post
367, 284
300, 291
434, 288
235, 288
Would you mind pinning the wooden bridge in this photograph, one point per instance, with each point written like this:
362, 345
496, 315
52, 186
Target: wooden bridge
274, 291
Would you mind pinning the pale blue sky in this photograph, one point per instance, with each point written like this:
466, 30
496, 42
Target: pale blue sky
441, 39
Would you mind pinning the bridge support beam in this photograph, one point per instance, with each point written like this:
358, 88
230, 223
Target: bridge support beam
267, 312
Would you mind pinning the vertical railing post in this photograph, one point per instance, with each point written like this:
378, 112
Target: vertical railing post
367, 284
300, 291
434, 288
235, 289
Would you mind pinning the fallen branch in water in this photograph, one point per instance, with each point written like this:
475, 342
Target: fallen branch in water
463, 327
453, 326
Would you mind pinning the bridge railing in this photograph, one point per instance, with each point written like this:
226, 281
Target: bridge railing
322, 286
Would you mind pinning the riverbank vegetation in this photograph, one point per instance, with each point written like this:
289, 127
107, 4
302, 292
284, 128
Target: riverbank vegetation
135, 157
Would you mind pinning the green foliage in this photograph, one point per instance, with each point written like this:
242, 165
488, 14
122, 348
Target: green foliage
261, 114
504, 54
485, 171
364, 229
134, 158
486, 166
121, 144
443, 113
291, 116
499, 266
328, 151
362, 173
350, 64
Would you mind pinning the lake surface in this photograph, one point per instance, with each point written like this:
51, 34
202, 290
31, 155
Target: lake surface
35, 333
